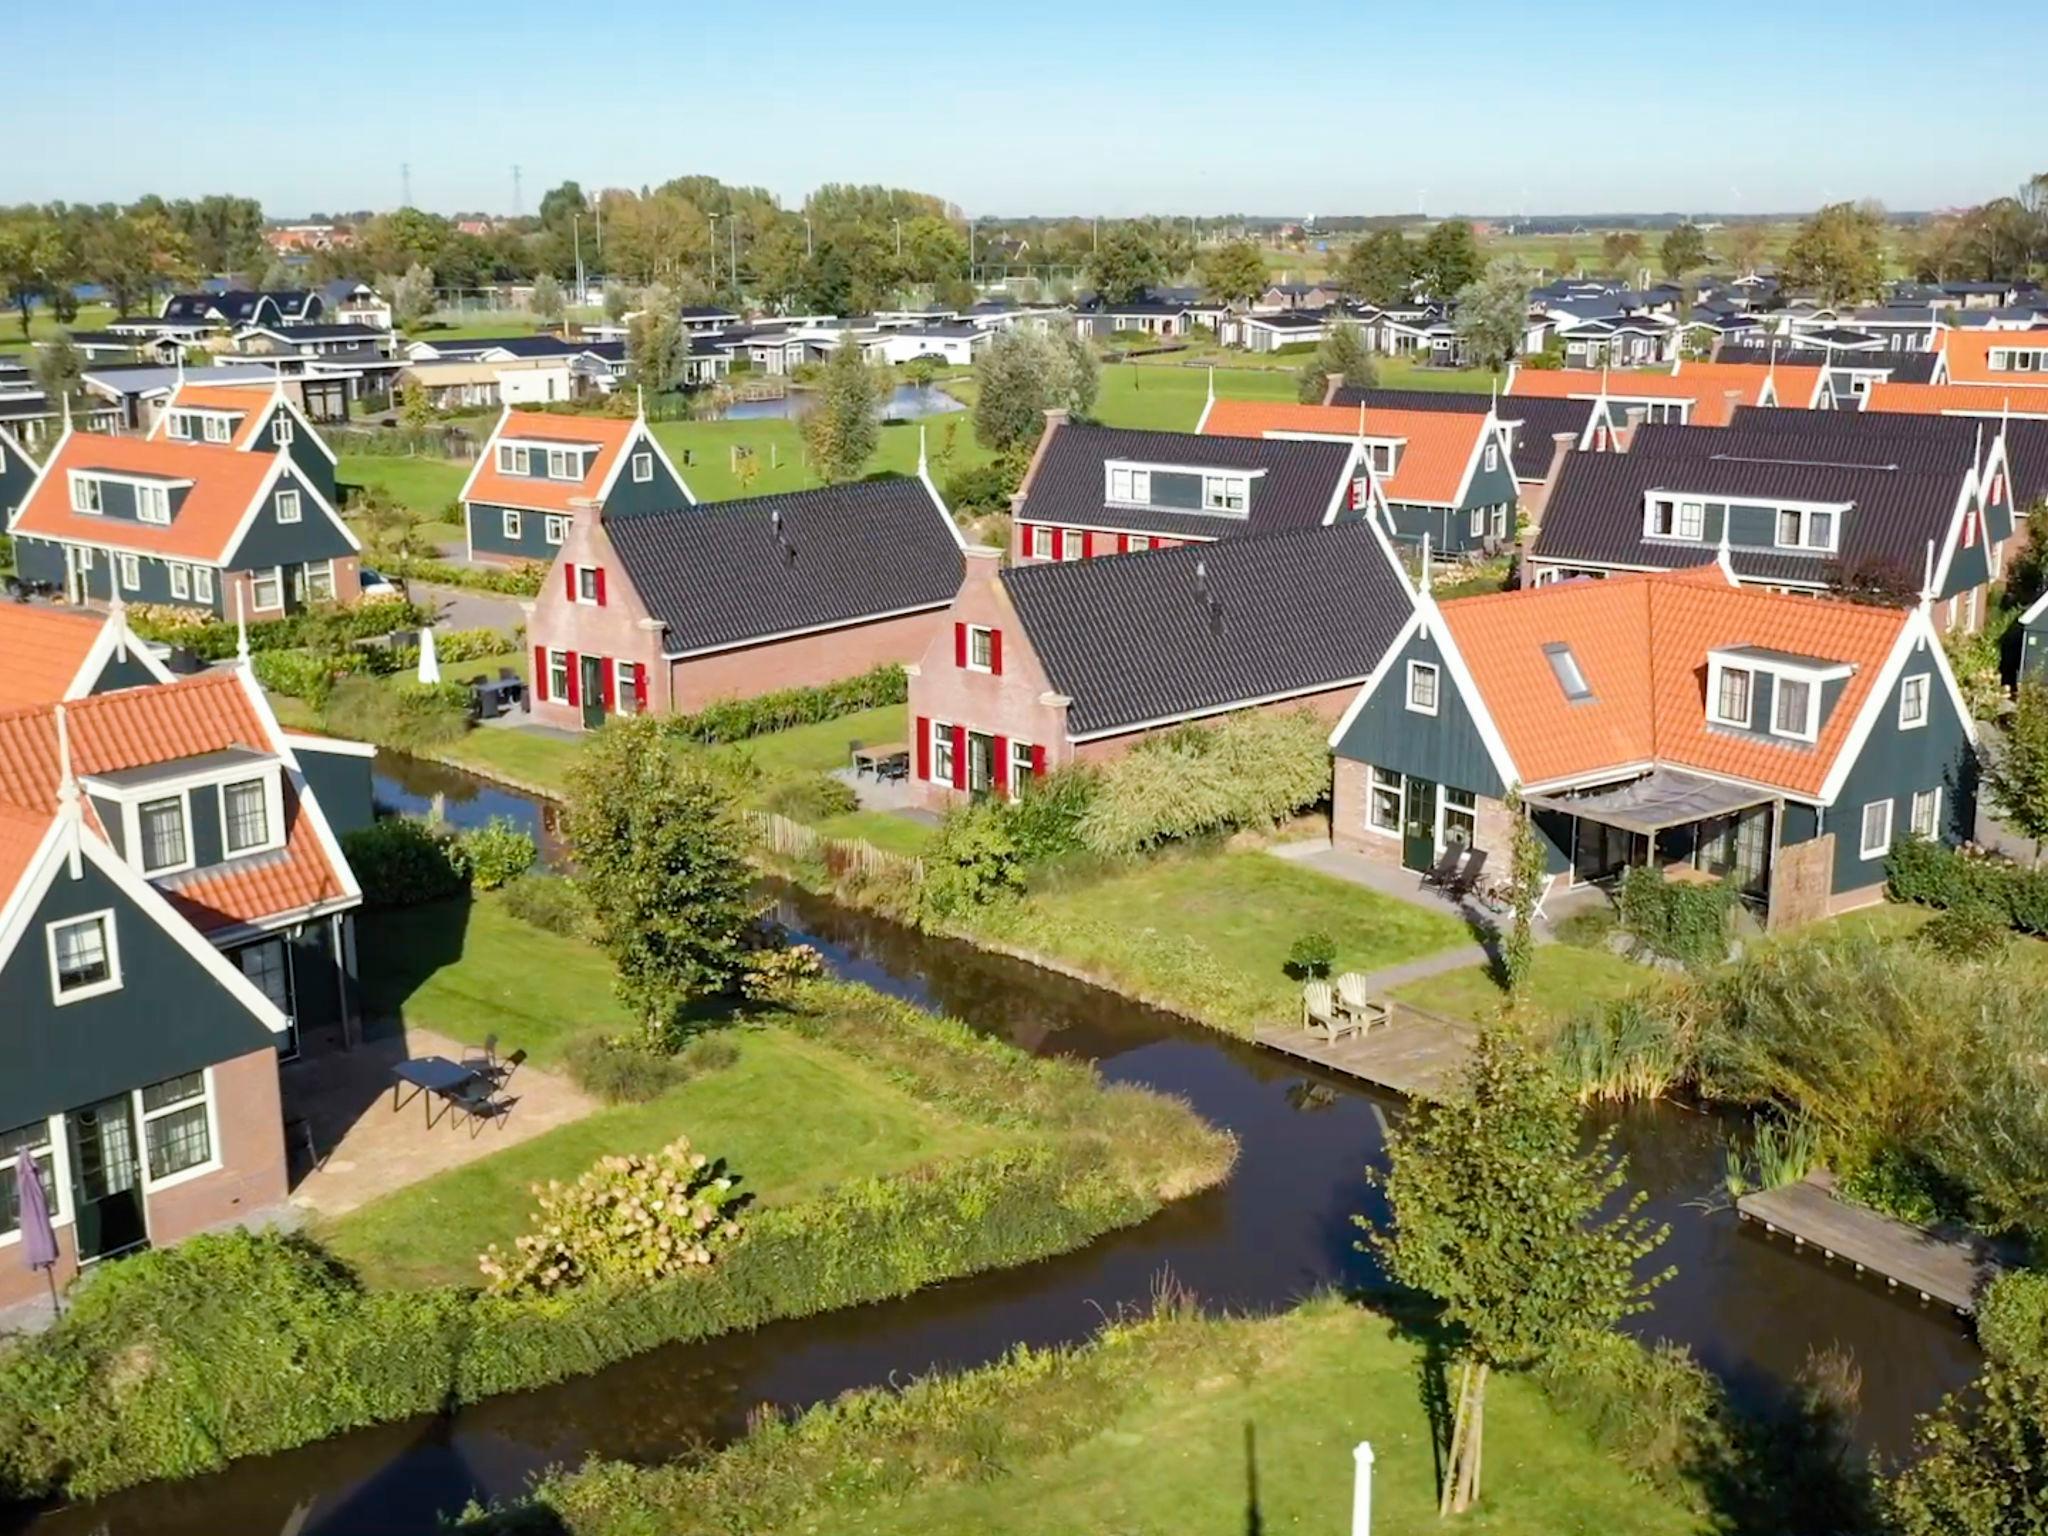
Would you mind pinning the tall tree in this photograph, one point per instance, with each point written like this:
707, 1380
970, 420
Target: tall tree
1449, 258
1380, 268
661, 859
1746, 244
24, 244
656, 343
547, 299
1493, 313
843, 427
1021, 376
1620, 250
1683, 249
1498, 1213
559, 206
2015, 767
60, 371
1838, 254
412, 296
132, 253
1126, 264
1341, 351
1233, 272
616, 302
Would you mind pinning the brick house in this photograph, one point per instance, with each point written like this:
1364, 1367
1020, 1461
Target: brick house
1677, 719
1092, 491
673, 610
1042, 665
174, 910
540, 472
231, 498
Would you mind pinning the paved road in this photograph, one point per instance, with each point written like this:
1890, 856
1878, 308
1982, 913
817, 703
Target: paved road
461, 608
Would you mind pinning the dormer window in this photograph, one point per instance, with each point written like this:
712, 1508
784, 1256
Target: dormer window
164, 842
179, 425
1808, 528
1674, 517
245, 816
216, 428
558, 464
1792, 707
85, 494
152, 504
1731, 697
1133, 487
1225, 493
512, 459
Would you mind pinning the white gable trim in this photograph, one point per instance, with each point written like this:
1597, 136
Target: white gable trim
485, 455
42, 474
1915, 636
279, 463
640, 433
309, 805
114, 635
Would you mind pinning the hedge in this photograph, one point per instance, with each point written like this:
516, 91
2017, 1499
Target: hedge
1678, 919
1935, 875
739, 719
401, 862
213, 639
522, 580
179, 1360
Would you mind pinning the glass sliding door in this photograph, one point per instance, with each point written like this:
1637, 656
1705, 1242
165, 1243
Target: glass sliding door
106, 1178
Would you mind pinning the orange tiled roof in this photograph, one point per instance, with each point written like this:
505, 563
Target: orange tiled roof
143, 727
21, 833
1431, 467
1795, 387
251, 400
1969, 354
1642, 643
1706, 385
43, 648
1957, 399
609, 432
224, 484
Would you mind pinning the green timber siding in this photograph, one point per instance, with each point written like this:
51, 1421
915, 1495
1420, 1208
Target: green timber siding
313, 466
122, 672
1799, 824
487, 533
43, 560
267, 542
340, 781
1450, 528
1968, 568
1444, 748
17, 474
1893, 765
167, 1017
631, 498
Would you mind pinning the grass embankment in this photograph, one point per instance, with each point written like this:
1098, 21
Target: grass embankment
1175, 1424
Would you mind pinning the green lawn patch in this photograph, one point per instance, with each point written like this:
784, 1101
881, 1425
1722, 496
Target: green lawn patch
885, 829
822, 747
1207, 933
1176, 1424
704, 453
1563, 979
43, 325
427, 485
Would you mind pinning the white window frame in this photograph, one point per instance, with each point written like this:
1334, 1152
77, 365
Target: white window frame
1864, 846
558, 464
1691, 520
511, 523
1909, 721
1436, 684
1130, 486
153, 505
1230, 495
1809, 726
86, 495
275, 579
1041, 542
1805, 542
139, 842
625, 696
273, 816
984, 636
214, 428
1716, 676
325, 570
179, 425
942, 752
1072, 544
1491, 460
210, 1100
281, 430
558, 659
555, 529
110, 938
1478, 523
60, 1176
202, 583
1932, 799
1383, 780
643, 467
128, 571
1018, 772
288, 510
590, 600
181, 580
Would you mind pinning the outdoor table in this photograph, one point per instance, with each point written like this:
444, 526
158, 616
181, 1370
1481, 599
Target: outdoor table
873, 759
430, 1077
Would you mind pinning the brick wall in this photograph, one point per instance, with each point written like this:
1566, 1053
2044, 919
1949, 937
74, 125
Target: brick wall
1328, 705
803, 661
619, 630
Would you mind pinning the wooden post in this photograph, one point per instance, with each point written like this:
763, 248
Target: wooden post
1453, 1463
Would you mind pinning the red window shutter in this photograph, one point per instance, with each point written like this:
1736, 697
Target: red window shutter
1023, 549
1059, 543
1002, 773
959, 757
924, 747
575, 679
540, 672
1038, 762
959, 645
995, 652
569, 580
599, 576
1088, 546
608, 670
640, 689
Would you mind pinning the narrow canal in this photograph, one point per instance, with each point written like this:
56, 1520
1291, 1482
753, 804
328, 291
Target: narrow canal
1749, 1307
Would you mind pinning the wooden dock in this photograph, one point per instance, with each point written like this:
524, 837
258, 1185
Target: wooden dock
1952, 1270
1414, 1054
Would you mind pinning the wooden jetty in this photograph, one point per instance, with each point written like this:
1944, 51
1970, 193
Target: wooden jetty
1414, 1054
1952, 1270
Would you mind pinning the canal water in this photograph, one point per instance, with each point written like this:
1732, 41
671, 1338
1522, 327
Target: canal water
1750, 1307
906, 402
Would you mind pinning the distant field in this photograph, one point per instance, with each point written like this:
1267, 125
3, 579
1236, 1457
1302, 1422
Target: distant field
43, 326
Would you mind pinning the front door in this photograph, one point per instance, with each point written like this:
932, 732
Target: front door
106, 1177
1418, 824
593, 691
75, 587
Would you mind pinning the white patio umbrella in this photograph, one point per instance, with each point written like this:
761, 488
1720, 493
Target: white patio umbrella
430, 664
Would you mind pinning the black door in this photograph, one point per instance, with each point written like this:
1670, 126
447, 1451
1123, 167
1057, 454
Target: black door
593, 691
106, 1178
1418, 824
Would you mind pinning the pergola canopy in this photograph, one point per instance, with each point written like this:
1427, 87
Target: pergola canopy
1665, 797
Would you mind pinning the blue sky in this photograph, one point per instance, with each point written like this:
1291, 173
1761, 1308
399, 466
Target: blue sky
1052, 106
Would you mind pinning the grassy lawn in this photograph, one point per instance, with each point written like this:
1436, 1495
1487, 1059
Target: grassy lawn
1564, 979
1208, 933
885, 829
427, 485
822, 747
43, 326
1186, 1425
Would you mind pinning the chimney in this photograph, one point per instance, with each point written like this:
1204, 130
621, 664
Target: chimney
1056, 418
1334, 383
1535, 500
1631, 418
984, 565
1731, 402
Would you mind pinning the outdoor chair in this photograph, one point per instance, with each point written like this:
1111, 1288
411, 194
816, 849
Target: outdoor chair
485, 1061
1319, 1009
1468, 877
853, 755
500, 1073
481, 1105
507, 675
1445, 870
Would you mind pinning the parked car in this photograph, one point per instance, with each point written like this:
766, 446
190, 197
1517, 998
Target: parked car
376, 584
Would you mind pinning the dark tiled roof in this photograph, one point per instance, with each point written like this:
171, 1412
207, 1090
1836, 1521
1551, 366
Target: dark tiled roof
1302, 481
346, 330
1130, 639
716, 575
1595, 514
1540, 419
1925, 444
705, 312
2026, 447
1904, 367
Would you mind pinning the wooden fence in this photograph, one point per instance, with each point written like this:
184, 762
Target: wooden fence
841, 855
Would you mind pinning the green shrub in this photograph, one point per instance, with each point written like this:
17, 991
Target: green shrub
495, 853
1970, 931
1045, 820
549, 902
732, 720
1936, 875
630, 1219
522, 580
401, 862
1677, 919
1253, 769
329, 627
618, 1070
975, 490
1622, 1051
709, 1053
451, 648
308, 675
2012, 1318
813, 797
406, 716
1311, 955
973, 861
1901, 1184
